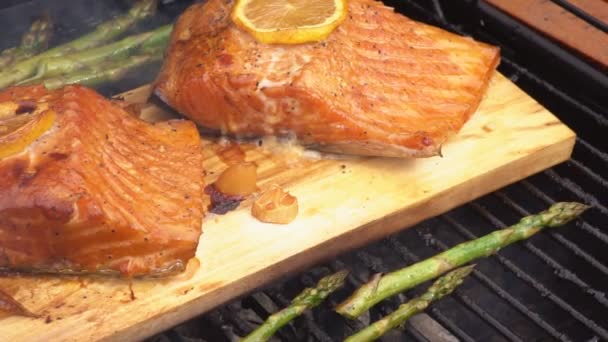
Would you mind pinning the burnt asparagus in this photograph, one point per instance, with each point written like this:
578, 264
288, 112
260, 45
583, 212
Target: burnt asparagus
398, 281
36, 39
440, 288
103, 33
307, 299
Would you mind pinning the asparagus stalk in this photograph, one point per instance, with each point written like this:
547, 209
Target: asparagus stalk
103, 33
33, 41
7, 56
398, 281
38, 37
69, 63
106, 73
307, 299
440, 288
108, 30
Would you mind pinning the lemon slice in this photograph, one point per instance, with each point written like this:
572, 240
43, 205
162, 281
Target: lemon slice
289, 21
19, 130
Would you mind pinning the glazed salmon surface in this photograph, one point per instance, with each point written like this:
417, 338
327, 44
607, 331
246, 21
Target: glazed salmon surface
380, 84
101, 191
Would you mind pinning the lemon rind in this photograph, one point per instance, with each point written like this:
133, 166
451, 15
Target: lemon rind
298, 35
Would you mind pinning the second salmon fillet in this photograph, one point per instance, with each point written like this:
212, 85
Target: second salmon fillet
87, 188
380, 84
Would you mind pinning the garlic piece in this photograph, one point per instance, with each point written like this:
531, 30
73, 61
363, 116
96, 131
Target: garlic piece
275, 206
238, 179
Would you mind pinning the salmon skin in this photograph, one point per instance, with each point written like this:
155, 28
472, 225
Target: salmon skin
380, 84
99, 192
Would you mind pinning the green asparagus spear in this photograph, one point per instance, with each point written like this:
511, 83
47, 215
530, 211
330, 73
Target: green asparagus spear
7, 56
36, 39
67, 64
440, 288
105, 73
307, 299
108, 30
103, 33
398, 281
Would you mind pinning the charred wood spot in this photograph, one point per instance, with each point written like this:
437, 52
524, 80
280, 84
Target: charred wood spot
10, 305
221, 203
134, 109
26, 107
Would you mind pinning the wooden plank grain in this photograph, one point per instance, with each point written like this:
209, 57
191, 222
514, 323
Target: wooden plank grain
555, 22
345, 202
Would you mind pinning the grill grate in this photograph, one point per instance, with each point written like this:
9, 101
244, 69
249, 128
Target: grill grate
588, 17
547, 288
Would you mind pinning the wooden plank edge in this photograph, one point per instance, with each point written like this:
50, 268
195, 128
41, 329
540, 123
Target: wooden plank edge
551, 155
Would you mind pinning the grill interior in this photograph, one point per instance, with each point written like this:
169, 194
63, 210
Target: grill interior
548, 288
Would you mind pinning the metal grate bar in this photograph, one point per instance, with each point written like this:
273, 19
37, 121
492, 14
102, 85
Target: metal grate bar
576, 190
439, 10
584, 166
596, 232
450, 325
540, 42
542, 289
314, 328
367, 260
599, 118
584, 255
412, 333
603, 156
588, 172
557, 236
506, 332
588, 17
355, 280
533, 316
562, 271
394, 244
406, 254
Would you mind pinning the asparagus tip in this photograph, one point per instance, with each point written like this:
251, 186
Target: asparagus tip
325, 286
450, 281
563, 212
334, 281
143, 8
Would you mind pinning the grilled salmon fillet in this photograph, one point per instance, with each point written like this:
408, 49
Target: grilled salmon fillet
380, 84
100, 191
